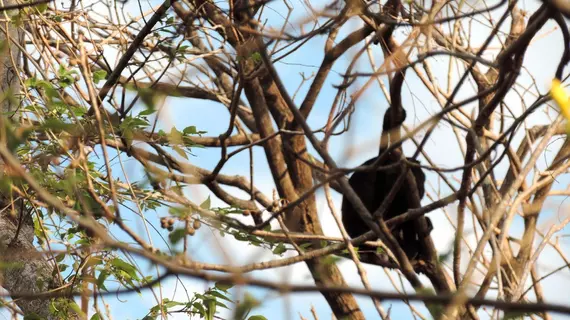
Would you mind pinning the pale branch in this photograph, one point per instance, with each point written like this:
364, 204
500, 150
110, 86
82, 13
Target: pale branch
133, 47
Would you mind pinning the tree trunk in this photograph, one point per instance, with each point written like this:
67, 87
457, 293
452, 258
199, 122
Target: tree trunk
24, 269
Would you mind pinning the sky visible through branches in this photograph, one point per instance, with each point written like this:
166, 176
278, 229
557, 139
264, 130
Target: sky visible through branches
541, 62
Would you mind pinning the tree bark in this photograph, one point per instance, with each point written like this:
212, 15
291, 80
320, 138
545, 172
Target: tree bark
24, 269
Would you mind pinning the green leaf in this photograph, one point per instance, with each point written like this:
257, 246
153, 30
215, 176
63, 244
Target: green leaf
101, 280
57, 125
177, 235
17, 19
223, 286
147, 112
169, 304
190, 130
75, 307
210, 309
60, 257
330, 259
219, 295
134, 123
280, 249
42, 7
95, 317
206, 204
78, 111
99, 75
243, 309
179, 212
199, 308
65, 76
257, 317
126, 267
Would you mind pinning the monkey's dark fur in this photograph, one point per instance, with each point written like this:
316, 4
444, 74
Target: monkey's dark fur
373, 187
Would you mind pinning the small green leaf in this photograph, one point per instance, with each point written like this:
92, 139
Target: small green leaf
330, 260
57, 125
223, 286
190, 130
17, 19
126, 267
75, 307
280, 249
199, 308
219, 295
249, 302
99, 75
147, 112
206, 204
42, 7
60, 257
177, 235
169, 304
78, 111
101, 280
210, 309
257, 317
95, 317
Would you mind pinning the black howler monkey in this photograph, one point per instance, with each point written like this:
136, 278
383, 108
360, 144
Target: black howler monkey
372, 188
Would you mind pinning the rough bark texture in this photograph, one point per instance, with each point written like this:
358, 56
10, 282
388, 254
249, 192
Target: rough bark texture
24, 269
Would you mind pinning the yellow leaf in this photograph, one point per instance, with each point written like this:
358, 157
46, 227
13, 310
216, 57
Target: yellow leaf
560, 96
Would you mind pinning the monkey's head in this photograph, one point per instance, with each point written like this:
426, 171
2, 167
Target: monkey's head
399, 118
